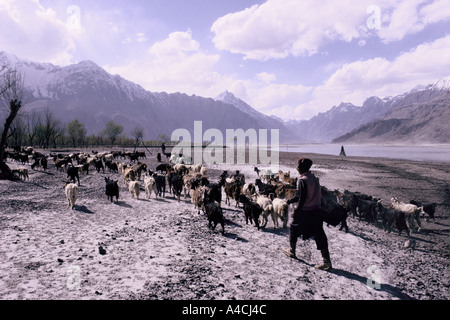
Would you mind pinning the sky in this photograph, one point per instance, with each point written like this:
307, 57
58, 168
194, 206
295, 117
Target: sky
288, 58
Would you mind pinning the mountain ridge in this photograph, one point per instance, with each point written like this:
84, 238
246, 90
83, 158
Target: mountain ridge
87, 92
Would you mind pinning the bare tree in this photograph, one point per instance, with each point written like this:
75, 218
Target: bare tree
11, 96
32, 121
48, 127
138, 134
17, 131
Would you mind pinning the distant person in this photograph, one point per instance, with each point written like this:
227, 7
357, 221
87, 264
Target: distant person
239, 177
163, 148
307, 221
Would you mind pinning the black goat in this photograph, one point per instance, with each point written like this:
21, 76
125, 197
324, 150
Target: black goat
112, 189
40, 162
214, 213
99, 165
265, 188
176, 182
252, 210
429, 208
72, 173
160, 183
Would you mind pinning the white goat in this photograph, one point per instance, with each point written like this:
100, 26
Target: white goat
71, 191
249, 190
412, 213
150, 186
266, 204
134, 187
281, 210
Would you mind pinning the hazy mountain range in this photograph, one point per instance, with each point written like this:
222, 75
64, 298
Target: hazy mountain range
86, 92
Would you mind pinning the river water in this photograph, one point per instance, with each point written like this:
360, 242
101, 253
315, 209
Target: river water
435, 153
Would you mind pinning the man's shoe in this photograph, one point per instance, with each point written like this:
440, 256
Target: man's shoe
326, 265
289, 252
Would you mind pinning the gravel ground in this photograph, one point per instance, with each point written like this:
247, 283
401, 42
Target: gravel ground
161, 249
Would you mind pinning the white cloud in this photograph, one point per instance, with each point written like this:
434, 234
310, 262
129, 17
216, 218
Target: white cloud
33, 32
175, 64
178, 44
266, 77
356, 81
141, 37
436, 11
280, 28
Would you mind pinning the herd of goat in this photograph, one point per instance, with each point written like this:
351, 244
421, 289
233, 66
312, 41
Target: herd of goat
267, 196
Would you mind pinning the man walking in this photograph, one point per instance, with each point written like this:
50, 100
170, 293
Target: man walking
307, 221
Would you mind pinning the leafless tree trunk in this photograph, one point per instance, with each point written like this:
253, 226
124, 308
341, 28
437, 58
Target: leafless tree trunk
11, 95
138, 134
32, 121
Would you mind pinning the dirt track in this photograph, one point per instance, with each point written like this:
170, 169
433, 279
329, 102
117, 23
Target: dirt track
162, 249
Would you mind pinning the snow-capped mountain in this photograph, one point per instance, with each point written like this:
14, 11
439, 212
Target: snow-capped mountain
419, 116
269, 122
86, 92
340, 120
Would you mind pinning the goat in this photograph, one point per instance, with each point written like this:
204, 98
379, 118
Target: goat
98, 163
112, 166
264, 188
112, 189
213, 191
140, 167
160, 181
358, 204
281, 211
60, 163
411, 211
389, 216
285, 177
176, 181
198, 194
286, 192
22, 173
129, 174
71, 191
252, 210
150, 186
348, 200
232, 191
135, 188
248, 189
429, 208
72, 173
265, 202
188, 180
214, 213
40, 162
335, 212
164, 167
264, 174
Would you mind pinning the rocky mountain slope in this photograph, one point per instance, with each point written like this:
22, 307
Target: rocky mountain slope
420, 117
342, 123
86, 92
